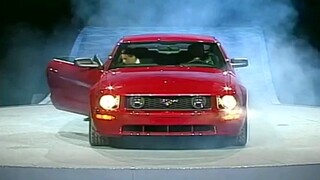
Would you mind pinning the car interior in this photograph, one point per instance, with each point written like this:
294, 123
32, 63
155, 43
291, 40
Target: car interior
186, 54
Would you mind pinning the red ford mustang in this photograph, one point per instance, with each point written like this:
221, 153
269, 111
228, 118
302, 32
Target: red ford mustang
155, 85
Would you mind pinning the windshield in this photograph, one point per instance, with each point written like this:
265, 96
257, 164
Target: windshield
168, 54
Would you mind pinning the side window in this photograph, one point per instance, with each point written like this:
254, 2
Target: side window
217, 56
115, 54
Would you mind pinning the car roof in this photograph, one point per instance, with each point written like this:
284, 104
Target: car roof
168, 38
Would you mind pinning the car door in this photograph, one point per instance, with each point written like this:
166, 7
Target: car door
70, 84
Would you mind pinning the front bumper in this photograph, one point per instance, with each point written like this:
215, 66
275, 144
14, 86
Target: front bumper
130, 123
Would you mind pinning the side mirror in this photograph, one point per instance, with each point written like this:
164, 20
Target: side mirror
97, 59
88, 62
239, 62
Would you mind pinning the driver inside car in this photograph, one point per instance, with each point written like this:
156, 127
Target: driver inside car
198, 54
128, 56
196, 51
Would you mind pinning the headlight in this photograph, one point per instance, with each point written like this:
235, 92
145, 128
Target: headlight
228, 101
137, 102
198, 102
109, 102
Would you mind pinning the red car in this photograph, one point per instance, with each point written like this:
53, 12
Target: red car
155, 85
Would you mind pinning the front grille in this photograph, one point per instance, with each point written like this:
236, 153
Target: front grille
177, 103
168, 128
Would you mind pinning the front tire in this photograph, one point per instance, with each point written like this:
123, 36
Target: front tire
242, 138
95, 139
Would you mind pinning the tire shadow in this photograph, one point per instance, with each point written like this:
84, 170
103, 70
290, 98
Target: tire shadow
171, 143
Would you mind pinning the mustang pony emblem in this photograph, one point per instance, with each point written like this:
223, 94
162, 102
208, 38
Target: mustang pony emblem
168, 102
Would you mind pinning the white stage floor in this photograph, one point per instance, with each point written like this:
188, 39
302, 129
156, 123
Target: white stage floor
41, 136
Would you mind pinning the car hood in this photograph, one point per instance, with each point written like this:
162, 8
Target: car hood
183, 80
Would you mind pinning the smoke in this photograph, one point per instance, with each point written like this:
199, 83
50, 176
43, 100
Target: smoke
295, 68
24, 63
267, 13
292, 60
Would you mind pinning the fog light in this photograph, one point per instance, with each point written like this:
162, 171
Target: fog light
137, 102
198, 102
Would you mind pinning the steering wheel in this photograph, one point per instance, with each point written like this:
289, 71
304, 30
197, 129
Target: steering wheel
196, 61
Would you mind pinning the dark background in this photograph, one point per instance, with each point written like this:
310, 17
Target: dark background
32, 30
